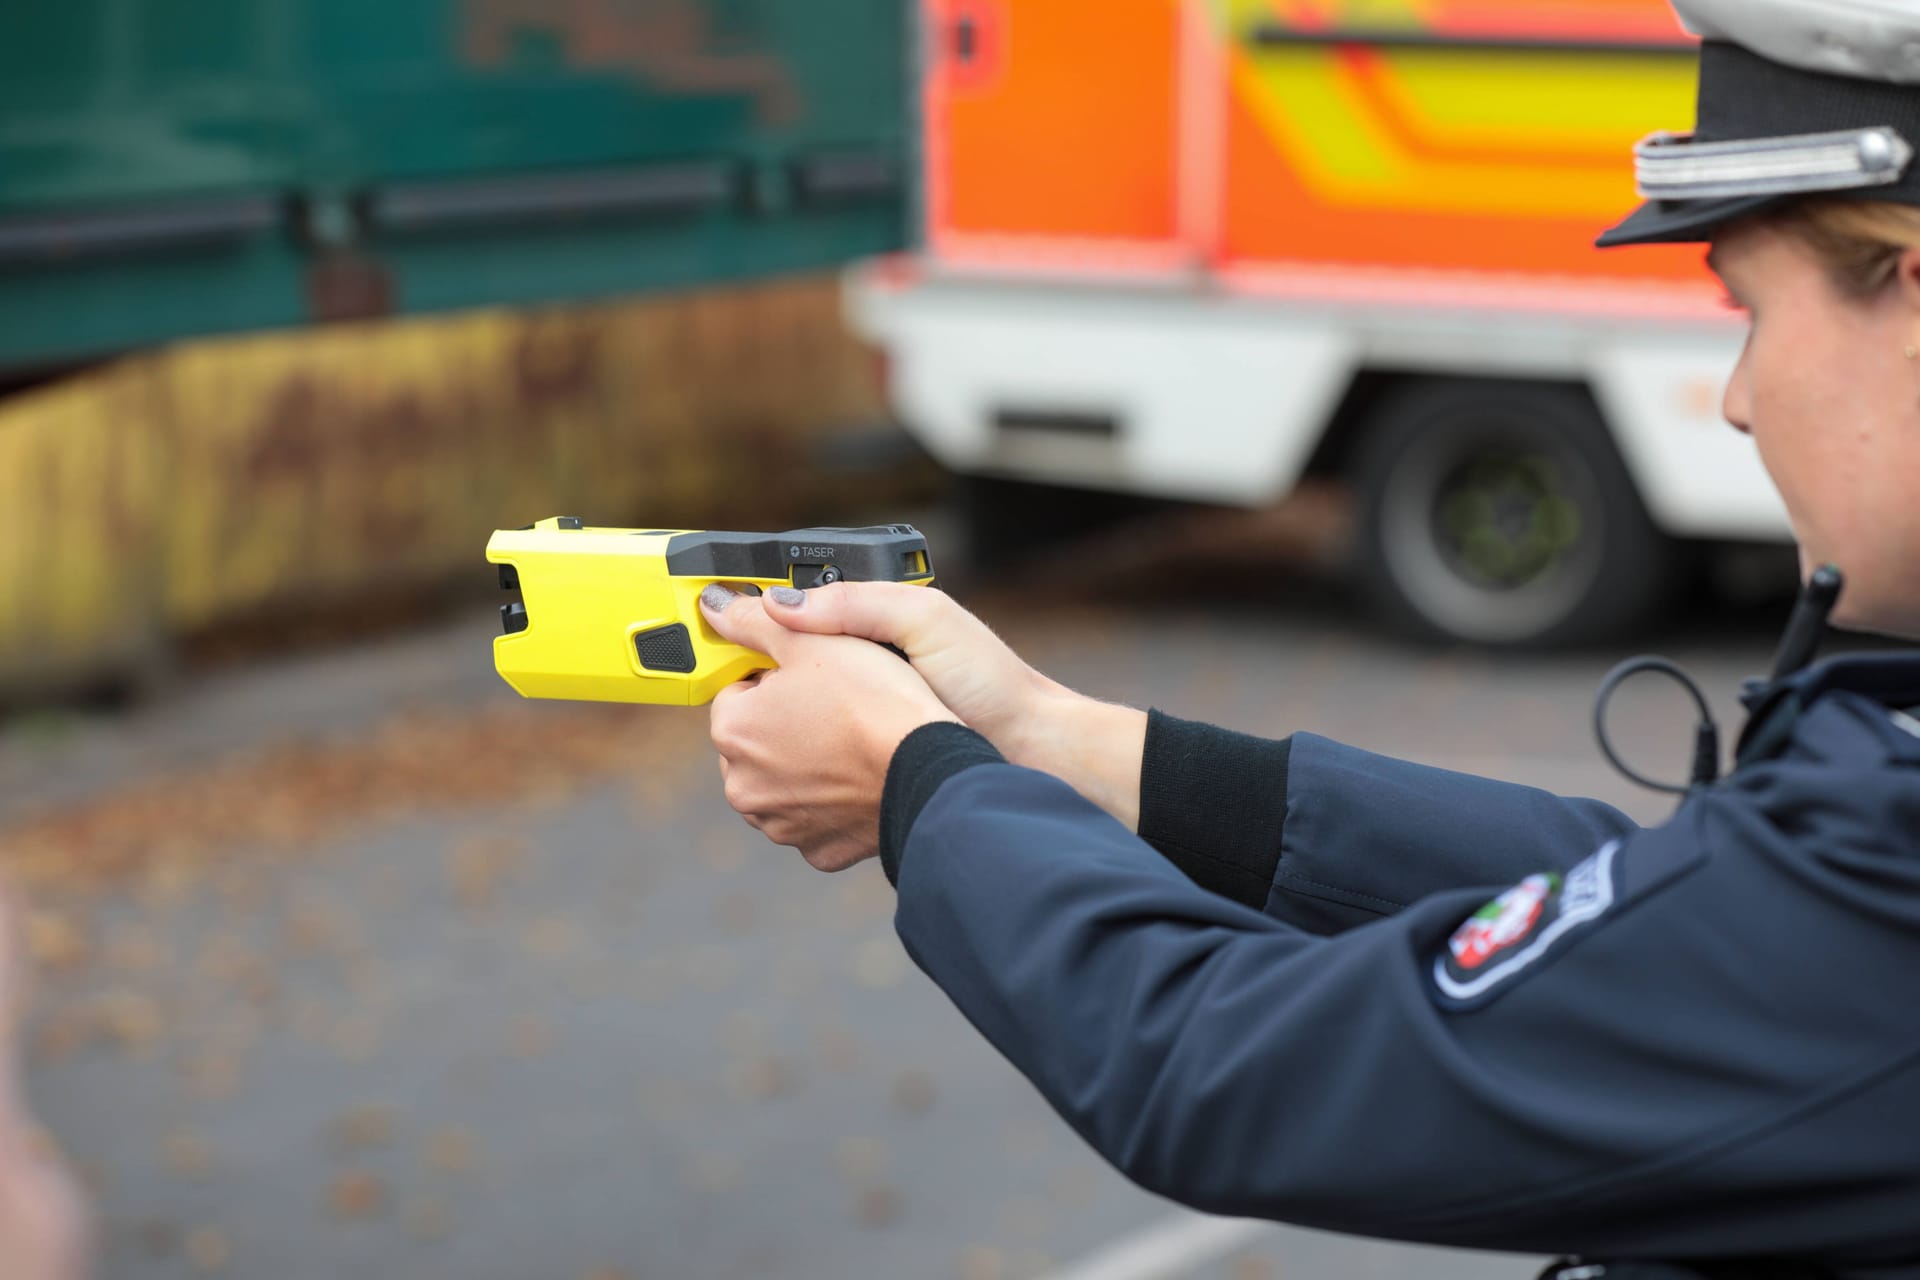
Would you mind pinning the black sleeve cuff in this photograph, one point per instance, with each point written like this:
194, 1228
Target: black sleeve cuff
924, 759
1214, 802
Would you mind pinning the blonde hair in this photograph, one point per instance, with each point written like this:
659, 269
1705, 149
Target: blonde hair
1859, 242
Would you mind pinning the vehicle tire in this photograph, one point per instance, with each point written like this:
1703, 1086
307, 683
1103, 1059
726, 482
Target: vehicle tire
1500, 514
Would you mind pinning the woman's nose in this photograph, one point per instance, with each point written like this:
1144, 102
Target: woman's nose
1737, 404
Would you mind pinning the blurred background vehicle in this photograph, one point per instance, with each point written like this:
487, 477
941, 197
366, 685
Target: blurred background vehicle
1205, 251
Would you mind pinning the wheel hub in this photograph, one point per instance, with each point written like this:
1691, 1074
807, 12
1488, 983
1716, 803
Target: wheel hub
1504, 520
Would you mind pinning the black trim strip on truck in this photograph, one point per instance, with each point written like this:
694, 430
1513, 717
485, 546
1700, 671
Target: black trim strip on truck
1057, 422
42, 239
499, 202
1273, 35
832, 177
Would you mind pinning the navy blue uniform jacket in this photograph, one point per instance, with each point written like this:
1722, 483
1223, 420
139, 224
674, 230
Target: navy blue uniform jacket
1346, 991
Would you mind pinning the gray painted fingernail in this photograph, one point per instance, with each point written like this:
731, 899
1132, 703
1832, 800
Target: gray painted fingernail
716, 597
792, 597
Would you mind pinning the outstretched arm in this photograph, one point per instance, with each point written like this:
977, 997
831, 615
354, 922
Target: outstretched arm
1565, 1068
1312, 832
1631, 1056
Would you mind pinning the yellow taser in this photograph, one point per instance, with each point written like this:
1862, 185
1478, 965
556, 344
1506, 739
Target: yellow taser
613, 615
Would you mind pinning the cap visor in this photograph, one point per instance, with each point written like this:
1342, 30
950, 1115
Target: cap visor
1682, 221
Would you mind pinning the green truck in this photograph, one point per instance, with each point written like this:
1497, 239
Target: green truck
237, 171
169, 170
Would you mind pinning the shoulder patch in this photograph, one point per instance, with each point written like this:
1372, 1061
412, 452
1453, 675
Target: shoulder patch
1521, 925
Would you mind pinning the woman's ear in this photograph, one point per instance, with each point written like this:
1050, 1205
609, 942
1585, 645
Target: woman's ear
1907, 277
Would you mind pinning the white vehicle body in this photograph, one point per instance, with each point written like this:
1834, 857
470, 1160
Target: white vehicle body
1218, 397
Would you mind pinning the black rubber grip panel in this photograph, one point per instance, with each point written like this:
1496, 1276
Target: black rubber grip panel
878, 553
667, 648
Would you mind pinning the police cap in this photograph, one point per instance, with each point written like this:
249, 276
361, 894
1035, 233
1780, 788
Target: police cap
1797, 97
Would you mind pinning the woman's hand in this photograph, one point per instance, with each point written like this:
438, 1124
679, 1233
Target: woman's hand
1094, 746
804, 749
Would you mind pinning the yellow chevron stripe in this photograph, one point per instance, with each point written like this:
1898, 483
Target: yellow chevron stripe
1309, 109
1328, 133
1527, 100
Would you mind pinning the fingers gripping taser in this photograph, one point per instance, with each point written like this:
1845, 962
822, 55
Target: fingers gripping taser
613, 615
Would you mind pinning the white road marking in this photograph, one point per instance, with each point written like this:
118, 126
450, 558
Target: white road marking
1169, 1248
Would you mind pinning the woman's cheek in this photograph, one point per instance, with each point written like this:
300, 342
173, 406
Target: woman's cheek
1770, 423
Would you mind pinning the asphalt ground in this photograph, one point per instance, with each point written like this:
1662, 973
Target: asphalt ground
351, 962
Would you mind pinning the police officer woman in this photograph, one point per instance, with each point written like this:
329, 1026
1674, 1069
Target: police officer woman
1296, 980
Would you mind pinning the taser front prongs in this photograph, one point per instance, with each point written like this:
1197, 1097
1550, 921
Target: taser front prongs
613, 615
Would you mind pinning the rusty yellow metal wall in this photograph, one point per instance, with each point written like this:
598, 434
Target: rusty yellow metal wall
173, 492
82, 471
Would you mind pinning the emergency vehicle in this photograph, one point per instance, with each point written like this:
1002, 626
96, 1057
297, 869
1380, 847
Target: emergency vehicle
1204, 249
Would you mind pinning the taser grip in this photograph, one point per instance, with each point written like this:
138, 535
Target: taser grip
613, 615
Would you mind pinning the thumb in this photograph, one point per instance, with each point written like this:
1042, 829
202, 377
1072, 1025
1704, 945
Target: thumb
741, 619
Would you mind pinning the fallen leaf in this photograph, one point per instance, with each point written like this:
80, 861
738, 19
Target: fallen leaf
531, 1037
214, 1076
839, 1048
428, 1219
361, 1128
880, 963
189, 1155
1030, 1262
982, 1263
1075, 1188
130, 1020
158, 1238
1251, 1268
356, 1196
134, 950
746, 1031
861, 1159
207, 1249
476, 867
554, 937
735, 913
452, 1151
1025, 1217
708, 968
712, 1173
913, 1093
764, 1078
56, 941
62, 1035
353, 1038
877, 1206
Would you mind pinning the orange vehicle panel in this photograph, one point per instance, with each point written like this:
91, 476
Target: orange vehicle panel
1491, 137
1052, 118
1489, 159
1487, 207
